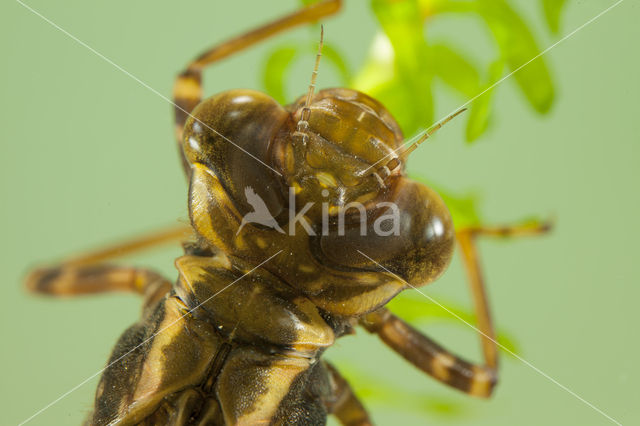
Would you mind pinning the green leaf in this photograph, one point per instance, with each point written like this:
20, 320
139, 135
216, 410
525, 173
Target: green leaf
407, 94
455, 70
411, 110
378, 70
518, 47
274, 73
552, 11
480, 109
463, 209
333, 55
461, 75
378, 78
280, 60
515, 41
401, 22
478, 117
430, 8
382, 392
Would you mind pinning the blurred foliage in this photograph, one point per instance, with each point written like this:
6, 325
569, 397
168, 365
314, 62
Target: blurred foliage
376, 391
552, 11
281, 59
404, 63
401, 71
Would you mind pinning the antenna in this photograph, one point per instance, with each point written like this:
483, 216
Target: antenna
405, 152
303, 123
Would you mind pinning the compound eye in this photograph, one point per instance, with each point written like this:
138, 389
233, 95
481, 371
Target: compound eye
410, 234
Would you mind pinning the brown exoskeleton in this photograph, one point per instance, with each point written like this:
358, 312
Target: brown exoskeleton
238, 338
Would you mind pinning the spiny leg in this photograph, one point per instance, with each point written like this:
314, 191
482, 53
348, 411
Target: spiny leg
430, 357
71, 280
346, 406
145, 242
87, 274
466, 242
528, 229
187, 90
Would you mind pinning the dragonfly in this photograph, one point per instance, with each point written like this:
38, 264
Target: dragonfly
303, 226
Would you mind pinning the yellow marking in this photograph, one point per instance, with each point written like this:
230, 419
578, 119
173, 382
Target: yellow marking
441, 365
314, 332
315, 159
165, 369
100, 389
326, 180
218, 190
140, 281
62, 284
278, 378
187, 88
179, 129
363, 199
368, 279
348, 179
210, 205
221, 259
306, 268
153, 369
240, 242
480, 382
296, 188
202, 186
289, 159
260, 242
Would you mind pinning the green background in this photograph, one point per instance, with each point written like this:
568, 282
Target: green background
87, 156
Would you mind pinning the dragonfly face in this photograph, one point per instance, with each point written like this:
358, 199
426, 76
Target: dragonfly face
303, 226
